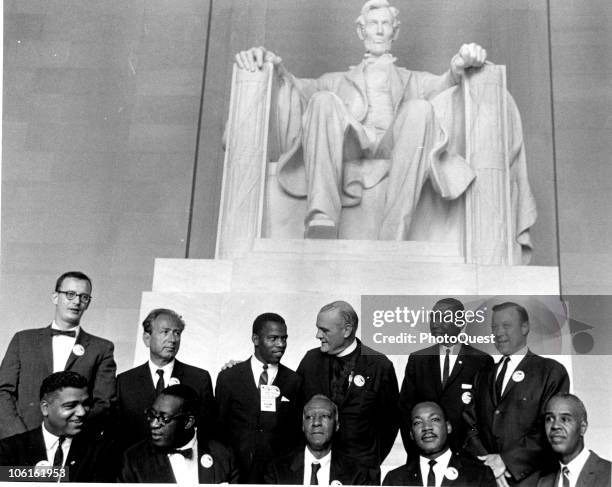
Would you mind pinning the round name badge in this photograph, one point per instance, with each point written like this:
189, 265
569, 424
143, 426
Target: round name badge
78, 350
43, 463
518, 376
466, 397
451, 473
275, 391
335, 483
206, 461
174, 381
359, 381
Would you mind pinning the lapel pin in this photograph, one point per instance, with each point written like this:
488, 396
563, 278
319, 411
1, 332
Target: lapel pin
206, 461
335, 483
518, 376
78, 350
451, 473
174, 381
359, 381
466, 397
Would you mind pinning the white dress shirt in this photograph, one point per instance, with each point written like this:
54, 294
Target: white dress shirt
574, 467
515, 360
186, 470
452, 358
439, 468
168, 369
51, 443
257, 368
62, 347
324, 471
350, 349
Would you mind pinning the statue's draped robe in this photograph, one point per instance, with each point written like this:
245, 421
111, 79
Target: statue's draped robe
448, 174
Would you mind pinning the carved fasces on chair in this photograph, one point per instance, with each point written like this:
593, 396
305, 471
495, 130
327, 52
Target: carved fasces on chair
245, 162
488, 210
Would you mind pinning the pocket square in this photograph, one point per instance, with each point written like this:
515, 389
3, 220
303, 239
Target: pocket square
284, 399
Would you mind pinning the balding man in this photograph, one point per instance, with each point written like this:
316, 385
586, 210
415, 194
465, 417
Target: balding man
359, 380
317, 463
565, 423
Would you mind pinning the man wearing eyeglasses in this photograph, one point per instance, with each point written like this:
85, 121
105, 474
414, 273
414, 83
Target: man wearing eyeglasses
34, 354
176, 452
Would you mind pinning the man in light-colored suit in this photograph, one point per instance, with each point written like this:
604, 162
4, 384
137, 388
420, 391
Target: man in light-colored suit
360, 126
565, 422
34, 354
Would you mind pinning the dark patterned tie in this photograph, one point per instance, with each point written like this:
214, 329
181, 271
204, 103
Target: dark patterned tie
314, 468
445, 370
263, 378
431, 476
160, 382
499, 382
58, 458
565, 473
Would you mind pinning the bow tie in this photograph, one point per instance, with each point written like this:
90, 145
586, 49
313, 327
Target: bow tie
186, 452
68, 333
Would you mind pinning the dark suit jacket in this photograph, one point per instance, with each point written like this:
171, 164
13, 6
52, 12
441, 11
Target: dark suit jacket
256, 437
136, 392
596, 472
422, 383
470, 474
90, 459
29, 359
514, 427
289, 470
143, 463
369, 417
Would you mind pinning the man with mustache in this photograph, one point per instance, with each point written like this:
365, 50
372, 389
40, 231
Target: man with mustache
505, 429
138, 387
61, 440
565, 423
436, 464
176, 451
32, 355
317, 463
442, 373
258, 401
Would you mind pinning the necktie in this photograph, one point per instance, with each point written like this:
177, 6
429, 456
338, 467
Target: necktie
445, 370
565, 472
160, 382
314, 468
186, 452
431, 476
499, 382
68, 333
263, 378
58, 458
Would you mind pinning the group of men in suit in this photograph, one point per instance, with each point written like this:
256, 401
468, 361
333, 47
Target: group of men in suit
334, 419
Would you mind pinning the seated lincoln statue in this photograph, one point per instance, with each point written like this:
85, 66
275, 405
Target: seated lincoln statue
348, 131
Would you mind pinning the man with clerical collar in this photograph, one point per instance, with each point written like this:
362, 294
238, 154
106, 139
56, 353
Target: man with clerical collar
565, 423
362, 126
442, 373
61, 440
174, 451
359, 380
318, 463
34, 354
138, 387
435, 463
505, 429
259, 414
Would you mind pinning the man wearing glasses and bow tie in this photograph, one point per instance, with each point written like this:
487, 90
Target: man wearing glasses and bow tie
175, 451
34, 354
